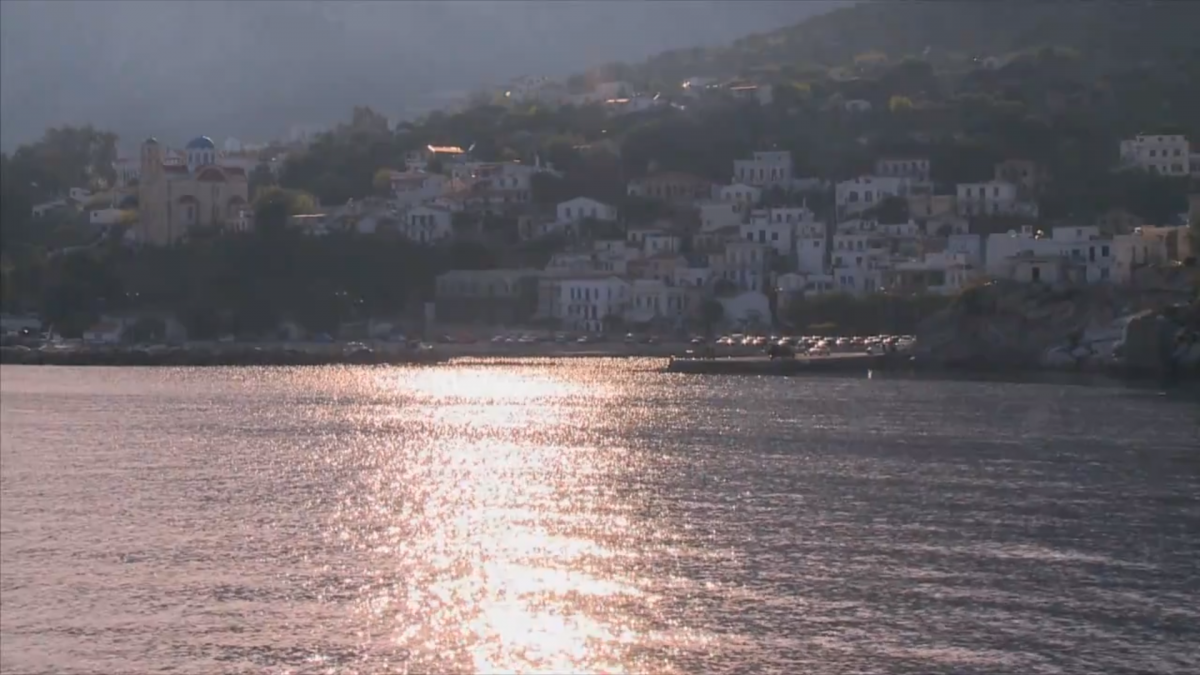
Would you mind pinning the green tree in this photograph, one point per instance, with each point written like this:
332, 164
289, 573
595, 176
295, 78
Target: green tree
712, 313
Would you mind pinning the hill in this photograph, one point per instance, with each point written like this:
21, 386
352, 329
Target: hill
171, 69
1109, 36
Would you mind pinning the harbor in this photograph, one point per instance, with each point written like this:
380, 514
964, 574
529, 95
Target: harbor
763, 365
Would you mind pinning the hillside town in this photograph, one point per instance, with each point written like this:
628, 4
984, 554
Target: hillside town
735, 253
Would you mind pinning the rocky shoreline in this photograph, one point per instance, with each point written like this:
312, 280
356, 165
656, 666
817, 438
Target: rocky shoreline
1147, 332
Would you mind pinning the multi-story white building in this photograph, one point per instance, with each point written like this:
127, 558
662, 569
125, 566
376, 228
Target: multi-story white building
1070, 253
1087, 247
744, 264
652, 300
743, 196
1001, 247
786, 214
716, 215
916, 169
1141, 247
577, 209
588, 302
767, 168
992, 198
692, 276
653, 241
857, 251
427, 224
941, 273
865, 192
810, 254
778, 235
410, 188
969, 245
1165, 154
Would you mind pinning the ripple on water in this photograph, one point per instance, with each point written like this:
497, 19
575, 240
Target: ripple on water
590, 516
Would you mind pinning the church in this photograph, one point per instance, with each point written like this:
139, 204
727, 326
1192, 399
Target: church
198, 189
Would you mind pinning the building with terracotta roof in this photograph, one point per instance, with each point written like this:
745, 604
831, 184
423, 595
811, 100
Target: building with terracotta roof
202, 190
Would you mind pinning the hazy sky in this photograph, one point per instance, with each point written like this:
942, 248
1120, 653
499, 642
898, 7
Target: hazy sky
251, 69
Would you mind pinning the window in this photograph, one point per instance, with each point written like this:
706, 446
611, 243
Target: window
567, 211
1104, 251
774, 236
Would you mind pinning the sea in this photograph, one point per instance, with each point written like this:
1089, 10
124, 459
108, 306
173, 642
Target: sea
591, 516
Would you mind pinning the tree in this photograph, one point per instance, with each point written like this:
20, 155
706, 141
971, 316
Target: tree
712, 313
382, 182
146, 329
260, 177
274, 205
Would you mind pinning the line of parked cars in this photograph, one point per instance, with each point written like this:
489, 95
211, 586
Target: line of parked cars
816, 345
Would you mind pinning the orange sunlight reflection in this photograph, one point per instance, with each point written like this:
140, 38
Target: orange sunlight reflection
492, 527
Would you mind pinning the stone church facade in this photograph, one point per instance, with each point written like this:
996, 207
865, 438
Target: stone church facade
175, 195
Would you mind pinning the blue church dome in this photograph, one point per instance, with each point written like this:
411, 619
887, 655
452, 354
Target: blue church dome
201, 143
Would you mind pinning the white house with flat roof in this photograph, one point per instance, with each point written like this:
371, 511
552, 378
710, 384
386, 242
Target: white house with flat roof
742, 195
588, 302
1165, 154
766, 168
865, 192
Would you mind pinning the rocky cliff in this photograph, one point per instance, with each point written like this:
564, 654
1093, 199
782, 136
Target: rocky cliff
1149, 327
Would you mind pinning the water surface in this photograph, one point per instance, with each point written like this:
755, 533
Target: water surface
591, 516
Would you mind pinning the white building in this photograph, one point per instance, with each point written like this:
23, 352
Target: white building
767, 168
969, 245
1002, 247
1168, 155
1086, 246
991, 198
105, 216
40, 210
1071, 253
716, 215
410, 188
653, 300
917, 169
743, 196
788, 214
1130, 251
763, 94
427, 224
694, 277
941, 273
810, 255
580, 208
743, 264
865, 192
587, 302
777, 235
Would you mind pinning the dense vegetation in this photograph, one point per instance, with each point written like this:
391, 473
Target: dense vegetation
964, 84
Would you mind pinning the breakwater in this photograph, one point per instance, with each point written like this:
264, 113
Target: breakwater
234, 356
